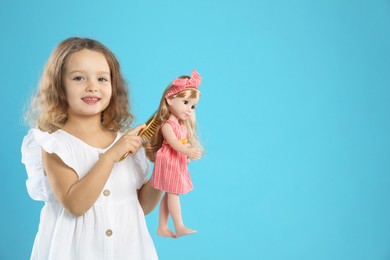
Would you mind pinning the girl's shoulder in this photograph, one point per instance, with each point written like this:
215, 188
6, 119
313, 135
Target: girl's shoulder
36, 140
33, 144
36, 137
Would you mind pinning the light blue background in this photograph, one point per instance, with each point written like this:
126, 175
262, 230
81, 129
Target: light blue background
294, 116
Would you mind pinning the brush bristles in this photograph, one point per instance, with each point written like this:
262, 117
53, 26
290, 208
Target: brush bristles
150, 129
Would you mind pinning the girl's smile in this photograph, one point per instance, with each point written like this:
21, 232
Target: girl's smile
90, 100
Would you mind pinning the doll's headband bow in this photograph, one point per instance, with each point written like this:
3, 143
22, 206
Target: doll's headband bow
179, 84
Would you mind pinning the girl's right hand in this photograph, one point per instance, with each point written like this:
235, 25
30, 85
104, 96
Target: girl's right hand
129, 142
194, 153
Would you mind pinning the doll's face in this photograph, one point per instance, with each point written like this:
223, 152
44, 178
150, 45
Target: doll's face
182, 108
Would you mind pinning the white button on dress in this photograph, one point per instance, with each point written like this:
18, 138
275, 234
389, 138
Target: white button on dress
106, 192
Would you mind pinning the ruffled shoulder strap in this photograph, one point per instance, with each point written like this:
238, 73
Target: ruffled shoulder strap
33, 143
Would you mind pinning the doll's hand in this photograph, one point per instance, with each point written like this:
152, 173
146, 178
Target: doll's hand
188, 159
128, 143
194, 153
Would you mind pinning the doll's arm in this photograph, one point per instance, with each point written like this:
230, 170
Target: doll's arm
170, 138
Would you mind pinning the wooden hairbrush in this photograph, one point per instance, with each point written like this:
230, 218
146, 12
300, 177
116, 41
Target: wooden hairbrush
146, 133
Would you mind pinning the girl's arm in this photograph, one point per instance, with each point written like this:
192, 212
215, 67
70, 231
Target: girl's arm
149, 197
78, 195
170, 137
75, 195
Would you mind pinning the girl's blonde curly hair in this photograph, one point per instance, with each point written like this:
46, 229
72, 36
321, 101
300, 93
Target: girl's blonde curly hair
48, 108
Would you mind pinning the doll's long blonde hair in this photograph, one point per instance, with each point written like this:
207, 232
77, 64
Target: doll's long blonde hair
163, 113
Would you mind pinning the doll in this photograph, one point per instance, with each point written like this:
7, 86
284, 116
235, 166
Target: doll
171, 149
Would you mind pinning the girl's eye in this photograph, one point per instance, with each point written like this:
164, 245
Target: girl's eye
78, 78
192, 107
185, 102
103, 79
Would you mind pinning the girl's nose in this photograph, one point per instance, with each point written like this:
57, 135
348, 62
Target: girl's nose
91, 87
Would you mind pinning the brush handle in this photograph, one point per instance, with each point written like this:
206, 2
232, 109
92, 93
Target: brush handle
127, 154
124, 156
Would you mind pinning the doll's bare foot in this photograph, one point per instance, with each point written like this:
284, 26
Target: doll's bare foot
183, 231
165, 232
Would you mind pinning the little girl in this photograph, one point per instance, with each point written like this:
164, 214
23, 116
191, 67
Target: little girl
94, 205
172, 147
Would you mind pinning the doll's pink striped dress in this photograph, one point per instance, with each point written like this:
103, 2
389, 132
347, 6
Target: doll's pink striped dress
170, 173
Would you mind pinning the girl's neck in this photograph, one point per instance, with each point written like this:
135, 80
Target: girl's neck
90, 130
80, 125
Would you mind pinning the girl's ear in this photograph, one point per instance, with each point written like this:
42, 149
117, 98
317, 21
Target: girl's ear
169, 101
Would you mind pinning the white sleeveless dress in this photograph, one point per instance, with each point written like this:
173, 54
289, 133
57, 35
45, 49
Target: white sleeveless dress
114, 228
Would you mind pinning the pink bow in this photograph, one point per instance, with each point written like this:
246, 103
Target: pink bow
179, 84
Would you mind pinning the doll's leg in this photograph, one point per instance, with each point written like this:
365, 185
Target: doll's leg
163, 229
175, 211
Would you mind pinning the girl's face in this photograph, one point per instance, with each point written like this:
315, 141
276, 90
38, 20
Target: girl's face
87, 83
182, 108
